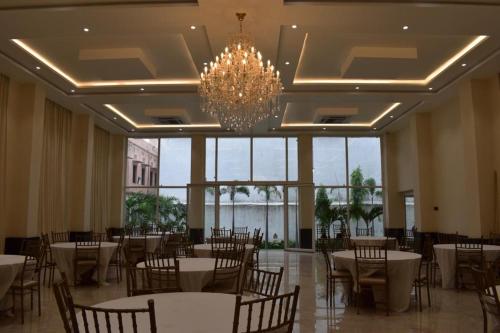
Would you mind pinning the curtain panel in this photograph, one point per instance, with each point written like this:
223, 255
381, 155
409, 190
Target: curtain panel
56, 147
4, 93
100, 197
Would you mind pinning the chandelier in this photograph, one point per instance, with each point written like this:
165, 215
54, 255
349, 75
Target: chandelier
238, 89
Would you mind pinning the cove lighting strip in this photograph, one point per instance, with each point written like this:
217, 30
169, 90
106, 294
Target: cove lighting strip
140, 126
419, 82
94, 84
370, 124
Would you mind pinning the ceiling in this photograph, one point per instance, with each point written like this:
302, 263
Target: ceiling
353, 62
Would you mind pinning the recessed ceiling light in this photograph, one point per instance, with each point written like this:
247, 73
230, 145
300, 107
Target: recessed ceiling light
324, 128
86, 29
205, 64
274, 129
405, 27
374, 128
37, 68
132, 130
115, 118
391, 116
142, 89
357, 88
464, 64
193, 27
276, 116
294, 26
72, 90
180, 129
287, 63
430, 88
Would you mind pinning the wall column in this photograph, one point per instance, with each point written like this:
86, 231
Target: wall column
306, 193
117, 163
197, 193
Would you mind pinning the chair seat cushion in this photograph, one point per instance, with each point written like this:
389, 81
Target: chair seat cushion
338, 273
377, 280
24, 284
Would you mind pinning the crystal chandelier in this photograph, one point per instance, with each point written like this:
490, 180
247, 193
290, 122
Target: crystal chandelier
238, 89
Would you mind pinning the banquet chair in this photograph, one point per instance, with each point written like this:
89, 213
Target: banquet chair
221, 232
116, 260
260, 282
60, 237
48, 262
87, 255
256, 235
27, 282
31, 247
408, 241
327, 246
136, 248
99, 236
371, 258
241, 238
165, 278
252, 313
220, 244
185, 249
173, 241
253, 260
363, 232
423, 279
240, 230
488, 296
62, 294
227, 272
468, 253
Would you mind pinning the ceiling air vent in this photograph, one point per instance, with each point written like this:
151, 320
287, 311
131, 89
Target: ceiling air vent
169, 121
334, 120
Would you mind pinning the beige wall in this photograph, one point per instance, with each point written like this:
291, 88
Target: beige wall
25, 115
449, 156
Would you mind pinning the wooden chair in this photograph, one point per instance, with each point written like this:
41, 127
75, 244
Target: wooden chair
220, 244
256, 235
227, 271
253, 260
60, 237
260, 282
99, 236
281, 311
135, 248
240, 230
62, 295
164, 275
48, 261
468, 253
185, 249
173, 241
363, 232
88, 255
117, 259
152, 280
328, 246
371, 259
28, 282
221, 233
423, 279
408, 241
488, 297
241, 238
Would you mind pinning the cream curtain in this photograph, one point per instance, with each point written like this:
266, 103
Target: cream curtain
100, 198
53, 202
4, 93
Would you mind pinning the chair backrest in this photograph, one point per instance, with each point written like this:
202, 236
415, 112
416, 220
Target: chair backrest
153, 280
370, 257
256, 234
99, 236
185, 249
63, 299
32, 247
221, 232
241, 238
486, 289
154, 259
30, 267
87, 249
469, 251
261, 282
279, 312
240, 230
138, 281
363, 232
60, 237
115, 320
228, 265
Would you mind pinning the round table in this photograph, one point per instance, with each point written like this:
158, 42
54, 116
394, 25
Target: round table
194, 273
64, 253
152, 241
375, 241
10, 267
180, 313
205, 251
445, 255
402, 269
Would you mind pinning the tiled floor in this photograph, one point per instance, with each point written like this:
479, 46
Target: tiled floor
450, 312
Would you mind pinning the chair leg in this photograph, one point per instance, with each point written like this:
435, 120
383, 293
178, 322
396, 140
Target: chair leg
420, 297
39, 300
327, 291
332, 292
31, 298
22, 306
428, 293
387, 300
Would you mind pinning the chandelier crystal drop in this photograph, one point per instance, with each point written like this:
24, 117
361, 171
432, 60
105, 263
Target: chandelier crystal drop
238, 88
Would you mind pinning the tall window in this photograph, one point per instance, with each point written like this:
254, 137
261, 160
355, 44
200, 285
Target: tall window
161, 198
347, 176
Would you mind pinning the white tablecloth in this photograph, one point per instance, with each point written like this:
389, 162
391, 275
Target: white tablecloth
63, 254
10, 266
445, 255
152, 241
195, 273
205, 251
402, 268
374, 241
182, 313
